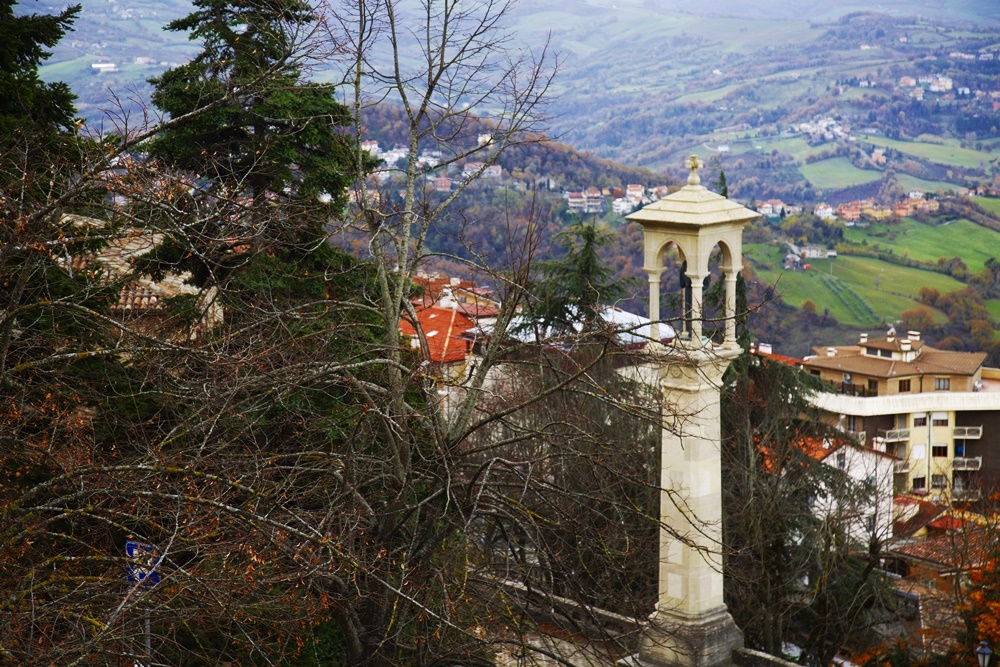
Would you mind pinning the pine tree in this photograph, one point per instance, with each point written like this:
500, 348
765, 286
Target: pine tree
246, 116
36, 118
572, 290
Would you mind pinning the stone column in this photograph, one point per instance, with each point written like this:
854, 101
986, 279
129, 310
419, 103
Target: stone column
697, 309
730, 310
654, 302
691, 626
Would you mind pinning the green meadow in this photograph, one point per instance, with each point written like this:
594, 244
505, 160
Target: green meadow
908, 183
941, 151
973, 243
990, 204
855, 290
836, 173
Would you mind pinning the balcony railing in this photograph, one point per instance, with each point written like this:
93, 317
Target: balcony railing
895, 435
855, 389
968, 432
901, 467
967, 463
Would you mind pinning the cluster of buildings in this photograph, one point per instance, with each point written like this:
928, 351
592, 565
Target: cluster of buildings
824, 129
623, 201
927, 427
871, 209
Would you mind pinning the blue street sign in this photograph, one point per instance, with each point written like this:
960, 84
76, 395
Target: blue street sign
142, 560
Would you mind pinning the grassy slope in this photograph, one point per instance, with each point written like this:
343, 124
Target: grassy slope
941, 151
836, 173
896, 290
974, 244
992, 205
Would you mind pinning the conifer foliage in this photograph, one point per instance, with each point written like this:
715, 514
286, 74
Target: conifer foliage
243, 113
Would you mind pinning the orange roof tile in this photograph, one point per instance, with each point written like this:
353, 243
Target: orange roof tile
442, 329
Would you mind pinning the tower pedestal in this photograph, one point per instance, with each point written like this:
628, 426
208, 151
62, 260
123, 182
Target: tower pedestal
702, 640
691, 626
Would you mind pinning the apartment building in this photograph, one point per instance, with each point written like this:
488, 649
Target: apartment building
936, 411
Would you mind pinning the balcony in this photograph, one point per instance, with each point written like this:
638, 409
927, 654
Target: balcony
967, 463
967, 432
858, 435
855, 390
901, 467
967, 495
895, 435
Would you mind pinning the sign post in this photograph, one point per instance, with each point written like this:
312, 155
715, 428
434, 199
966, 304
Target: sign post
142, 561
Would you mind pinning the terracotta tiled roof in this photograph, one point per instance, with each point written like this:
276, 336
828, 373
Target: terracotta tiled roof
895, 344
443, 329
948, 523
959, 551
930, 361
925, 513
784, 359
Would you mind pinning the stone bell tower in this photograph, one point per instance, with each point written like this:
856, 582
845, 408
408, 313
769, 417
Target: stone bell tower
691, 625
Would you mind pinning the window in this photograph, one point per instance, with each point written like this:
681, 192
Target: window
937, 481
919, 483
854, 424
939, 451
870, 523
885, 353
942, 384
939, 419
873, 386
904, 386
920, 421
919, 451
841, 459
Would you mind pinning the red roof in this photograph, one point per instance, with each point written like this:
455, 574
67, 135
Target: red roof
443, 329
948, 523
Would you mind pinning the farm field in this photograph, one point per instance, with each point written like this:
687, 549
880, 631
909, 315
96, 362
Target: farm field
942, 151
990, 204
913, 183
973, 243
859, 291
836, 173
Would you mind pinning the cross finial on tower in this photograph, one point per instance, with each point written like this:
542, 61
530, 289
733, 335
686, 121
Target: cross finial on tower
693, 163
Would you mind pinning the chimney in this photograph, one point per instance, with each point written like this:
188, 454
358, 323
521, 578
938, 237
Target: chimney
764, 348
831, 351
890, 337
864, 338
904, 345
914, 335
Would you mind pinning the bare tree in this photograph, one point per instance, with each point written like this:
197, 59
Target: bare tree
279, 454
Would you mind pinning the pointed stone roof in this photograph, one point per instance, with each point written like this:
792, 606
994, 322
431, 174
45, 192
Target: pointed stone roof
694, 205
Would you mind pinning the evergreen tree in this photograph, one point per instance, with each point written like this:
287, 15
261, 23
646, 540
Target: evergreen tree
721, 185
245, 116
245, 121
36, 118
572, 290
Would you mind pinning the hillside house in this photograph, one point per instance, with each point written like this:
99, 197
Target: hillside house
869, 513
589, 201
824, 212
936, 411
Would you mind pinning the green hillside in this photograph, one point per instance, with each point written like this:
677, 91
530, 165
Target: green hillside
855, 290
927, 243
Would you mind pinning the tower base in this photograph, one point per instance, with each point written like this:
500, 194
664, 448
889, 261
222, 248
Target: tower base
676, 640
